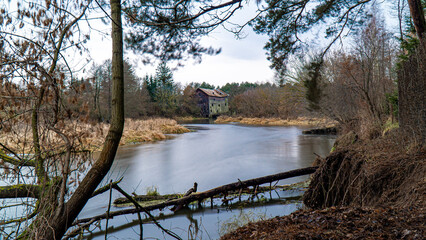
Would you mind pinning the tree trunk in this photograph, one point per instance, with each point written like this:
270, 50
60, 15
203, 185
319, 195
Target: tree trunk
59, 225
411, 94
412, 82
418, 16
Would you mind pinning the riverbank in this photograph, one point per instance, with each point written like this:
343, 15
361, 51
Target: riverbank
338, 223
365, 189
91, 136
136, 131
300, 121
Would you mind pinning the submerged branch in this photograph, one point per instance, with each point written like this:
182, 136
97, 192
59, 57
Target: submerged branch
207, 194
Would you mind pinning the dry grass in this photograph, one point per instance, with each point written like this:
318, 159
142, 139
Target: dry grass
189, 118
137, 131
91, 136
300, 121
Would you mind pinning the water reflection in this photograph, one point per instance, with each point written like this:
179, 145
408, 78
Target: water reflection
212, 156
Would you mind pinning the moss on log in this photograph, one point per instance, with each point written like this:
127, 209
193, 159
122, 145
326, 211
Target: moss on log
20, 191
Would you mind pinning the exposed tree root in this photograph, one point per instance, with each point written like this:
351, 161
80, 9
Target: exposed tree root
375, 173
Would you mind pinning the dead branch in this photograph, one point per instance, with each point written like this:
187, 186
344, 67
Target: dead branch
140, 208
206, 194
106, 187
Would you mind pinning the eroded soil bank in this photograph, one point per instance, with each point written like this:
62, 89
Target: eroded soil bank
371, 189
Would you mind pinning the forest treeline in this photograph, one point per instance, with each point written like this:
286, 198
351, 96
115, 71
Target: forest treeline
355, 86
159, 95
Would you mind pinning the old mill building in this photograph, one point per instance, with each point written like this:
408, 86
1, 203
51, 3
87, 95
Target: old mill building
212, 102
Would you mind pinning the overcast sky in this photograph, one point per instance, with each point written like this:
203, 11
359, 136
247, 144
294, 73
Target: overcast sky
241, 60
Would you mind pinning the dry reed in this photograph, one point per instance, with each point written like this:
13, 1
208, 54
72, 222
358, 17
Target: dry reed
300, 121
91, 136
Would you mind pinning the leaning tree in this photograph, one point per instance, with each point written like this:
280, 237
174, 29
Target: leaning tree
47, 170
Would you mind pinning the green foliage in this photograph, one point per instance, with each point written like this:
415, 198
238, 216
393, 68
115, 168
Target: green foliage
311, 78
409, 42
150, 85
165, 29
162, 90
206, 85
237, 88
392, 99
202, 85
389, 125
152, 191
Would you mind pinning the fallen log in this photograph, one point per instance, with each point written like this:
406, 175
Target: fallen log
145, 198
322, 131
199, 196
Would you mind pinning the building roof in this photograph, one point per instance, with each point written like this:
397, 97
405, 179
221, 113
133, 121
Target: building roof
213, 92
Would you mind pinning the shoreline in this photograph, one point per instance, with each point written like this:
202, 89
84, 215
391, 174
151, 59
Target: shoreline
91, 136
300, 121
148, 131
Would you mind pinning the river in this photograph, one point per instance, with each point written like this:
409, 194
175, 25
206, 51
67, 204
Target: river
213, 155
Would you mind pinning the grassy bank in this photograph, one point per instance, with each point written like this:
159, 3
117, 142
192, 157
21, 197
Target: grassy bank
90, 136
137, 131
189, 118
300, 121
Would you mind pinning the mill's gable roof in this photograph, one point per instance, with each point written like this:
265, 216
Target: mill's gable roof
213, 92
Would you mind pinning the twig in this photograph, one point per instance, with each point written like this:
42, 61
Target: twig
172, 234
276, 183
109, 208
140, 226
78, 230
318, 156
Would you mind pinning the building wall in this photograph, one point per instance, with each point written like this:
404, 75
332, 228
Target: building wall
218, 106
203, 102
212, 106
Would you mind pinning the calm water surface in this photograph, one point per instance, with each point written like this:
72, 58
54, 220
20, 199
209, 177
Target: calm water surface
212, 156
